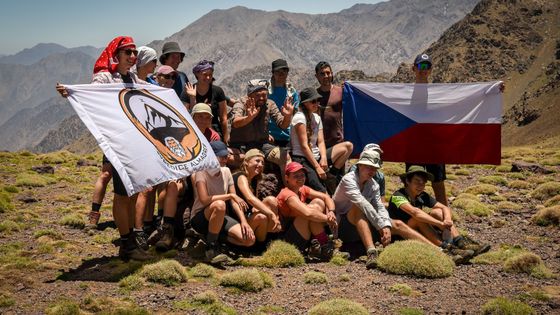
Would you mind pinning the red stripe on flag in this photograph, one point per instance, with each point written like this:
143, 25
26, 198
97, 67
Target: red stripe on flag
445, 143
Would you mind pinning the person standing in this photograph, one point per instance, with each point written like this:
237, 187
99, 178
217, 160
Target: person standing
172, 55
279, 91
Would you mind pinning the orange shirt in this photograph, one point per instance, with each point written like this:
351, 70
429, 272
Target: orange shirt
283, 197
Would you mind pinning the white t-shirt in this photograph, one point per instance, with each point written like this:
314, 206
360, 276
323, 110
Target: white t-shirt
299, 118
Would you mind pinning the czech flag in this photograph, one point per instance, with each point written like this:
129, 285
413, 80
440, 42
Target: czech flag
426, 123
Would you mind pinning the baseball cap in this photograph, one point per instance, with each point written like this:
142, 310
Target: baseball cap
293, 167
219, 148
165, 70
279, 64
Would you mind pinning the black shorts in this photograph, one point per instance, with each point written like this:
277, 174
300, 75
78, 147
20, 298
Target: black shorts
348, 233
105, 159
292, 236
200, 224
118, 186
437, 170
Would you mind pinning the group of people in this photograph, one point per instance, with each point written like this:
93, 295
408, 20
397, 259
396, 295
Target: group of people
273, 129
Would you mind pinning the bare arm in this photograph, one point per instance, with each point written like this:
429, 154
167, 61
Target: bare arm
421, 216
223, 120
202, 192
303, 210
322, 150
246, 192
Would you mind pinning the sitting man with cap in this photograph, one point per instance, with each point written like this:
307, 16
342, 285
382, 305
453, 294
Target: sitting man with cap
379, 177
407, 205
202, 116
171, 55
249, 124
361, 213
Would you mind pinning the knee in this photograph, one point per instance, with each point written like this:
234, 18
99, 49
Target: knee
105, 177
319, 203
218, 206
398, 225
260, 219
349, 146
437, 214
272, 202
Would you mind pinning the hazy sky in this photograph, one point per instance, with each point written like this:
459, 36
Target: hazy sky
25, 23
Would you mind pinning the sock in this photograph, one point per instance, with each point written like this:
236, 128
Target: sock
159, 213
211, 238
335, 171
137, 230
95, 206
322, 238
170, 220
124, 239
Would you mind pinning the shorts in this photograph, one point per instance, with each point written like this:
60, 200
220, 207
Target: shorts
200, 224
105, 159
437, 170
348, 233
292, 236
118, 186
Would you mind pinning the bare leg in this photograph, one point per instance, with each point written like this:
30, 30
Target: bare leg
403, 230
259, 223
215, 214
235, 236
272, 203
426, 230
340, 154
171, 196
101, 183
439, 191
140, 209
357, 218
120, 213
438, 214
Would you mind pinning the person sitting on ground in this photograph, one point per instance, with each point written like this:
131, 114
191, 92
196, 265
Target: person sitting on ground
202, 116
304, 223
249, 125
165, 76
261, 215
330, 111
379, 177
407, 205
360, 211
308, 145
214, 193
278, 91
172, 55
113, 66
204, 91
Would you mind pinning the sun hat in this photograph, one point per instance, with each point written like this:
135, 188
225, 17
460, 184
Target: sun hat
309, 94
170, 47
370, 158
256, 85
373, 147
252, 153
279, 64
201, 108
417, 169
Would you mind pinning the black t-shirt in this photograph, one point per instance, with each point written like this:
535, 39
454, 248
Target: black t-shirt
253, 186
213, 97
400, 197
127, 78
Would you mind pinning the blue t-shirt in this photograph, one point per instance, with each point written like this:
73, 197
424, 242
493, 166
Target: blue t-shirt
279, 96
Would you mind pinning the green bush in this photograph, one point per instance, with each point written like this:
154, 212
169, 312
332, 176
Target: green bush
401, 288
337, 307
202, 271
132, 282
516, 175
111, 306
249, 280
55, 235
546, 190
482, 189
64, 308
503, 168
508, 205
523, 263
410, 311
31, 180
468, 196
168, 272
493, 179
339, 260
502, 306
498, 256
278, 255
519, 184
547, 216
473, 207
73, 220
11, 189
416, 259
208, 302
314, 277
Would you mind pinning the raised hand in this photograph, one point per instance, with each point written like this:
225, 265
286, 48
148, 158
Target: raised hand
251, 108
288, 108
190, 89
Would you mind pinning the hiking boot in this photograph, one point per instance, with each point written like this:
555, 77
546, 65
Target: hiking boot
155, 236
331, 183
215, 256
459, 256
141, 239
167, 238
338, 252
468, 243
130, 250
371, 260
93, 219
320, 252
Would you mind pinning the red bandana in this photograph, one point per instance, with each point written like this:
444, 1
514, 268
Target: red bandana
108, 62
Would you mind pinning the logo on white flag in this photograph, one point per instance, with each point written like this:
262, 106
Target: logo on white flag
161, 124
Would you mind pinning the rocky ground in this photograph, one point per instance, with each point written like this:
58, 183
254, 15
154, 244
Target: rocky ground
46, 257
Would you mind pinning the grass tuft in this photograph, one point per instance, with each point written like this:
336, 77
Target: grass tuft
519, 184
482, 189
132, 282
546, 190
494, 180
55, 235
501, 305
249, 280
498, 256
554, 201
339, 260
73, 220
503, 168
473, 207
401, 288
547, 216
270, 309
11, 189
111, 306
9, 226
31, 180
278, 255
416, 259
523, 263
314, 277
202, 271
410, 311
168, 272
6, 300
64, 307
207, 301
338, 306
5, 202
508, 205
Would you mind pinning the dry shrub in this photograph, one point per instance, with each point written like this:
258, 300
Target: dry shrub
468, 196
5, 202
338, 306
416, 259
502, 306
314, 277
493, 179
132, 282
202, 271
249, 280
546, 190
547, 216
554, 201
167, 272
392, 169
519, 184
6, 299
508, 205
498, 256
473, 207
208, 302
9, 226
339, 260
482, 189
516, 175
401, 288
31, 180
503, 168
73, 220
523, 263
278, 255
111, 306
64, 307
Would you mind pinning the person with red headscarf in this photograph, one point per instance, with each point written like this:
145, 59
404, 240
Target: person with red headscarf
113, 66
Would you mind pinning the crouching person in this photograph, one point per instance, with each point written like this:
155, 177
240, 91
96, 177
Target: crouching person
214, 192
304, 223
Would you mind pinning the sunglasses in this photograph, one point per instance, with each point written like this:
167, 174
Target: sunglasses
168, 76
424, 66
129, 52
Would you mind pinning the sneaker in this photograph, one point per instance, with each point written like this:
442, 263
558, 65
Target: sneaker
331, 183
93, 218
215, 256
338, 252
314, 250
167, 239
141, 239
459, 256
371, 260
478, 248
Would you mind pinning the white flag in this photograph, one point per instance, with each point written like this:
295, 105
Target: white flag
144, 130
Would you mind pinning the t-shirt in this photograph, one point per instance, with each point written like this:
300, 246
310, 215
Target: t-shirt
215, 185
213, 97
212, 135
400, 197
285, 194
279, 95
316, 125
331, 115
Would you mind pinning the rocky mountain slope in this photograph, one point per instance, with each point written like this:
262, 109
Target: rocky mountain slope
32, 55
517, 42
